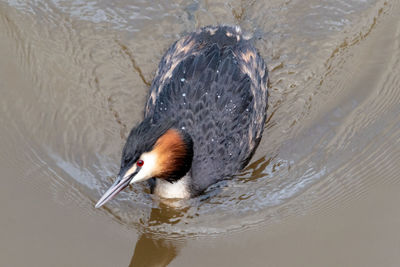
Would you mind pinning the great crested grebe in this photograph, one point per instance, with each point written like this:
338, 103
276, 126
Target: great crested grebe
203, 119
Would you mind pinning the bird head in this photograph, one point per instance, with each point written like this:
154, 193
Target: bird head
152, 151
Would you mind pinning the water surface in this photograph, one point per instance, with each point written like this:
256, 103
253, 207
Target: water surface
321, 189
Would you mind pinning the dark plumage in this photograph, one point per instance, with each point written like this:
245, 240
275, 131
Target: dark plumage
211, 87
208, 94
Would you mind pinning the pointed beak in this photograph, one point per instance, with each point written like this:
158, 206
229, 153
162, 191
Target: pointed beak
117, 186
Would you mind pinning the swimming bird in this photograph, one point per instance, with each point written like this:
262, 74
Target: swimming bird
204, 116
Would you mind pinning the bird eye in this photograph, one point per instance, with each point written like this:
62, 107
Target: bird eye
140, 163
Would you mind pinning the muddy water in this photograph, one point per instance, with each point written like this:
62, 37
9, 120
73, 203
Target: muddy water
321, 190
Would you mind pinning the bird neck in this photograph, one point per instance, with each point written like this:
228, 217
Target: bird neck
179, 189
174, 150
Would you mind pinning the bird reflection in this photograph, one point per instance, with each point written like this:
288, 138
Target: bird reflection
155, 249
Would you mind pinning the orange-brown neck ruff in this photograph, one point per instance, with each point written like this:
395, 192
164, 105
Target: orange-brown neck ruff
172, 156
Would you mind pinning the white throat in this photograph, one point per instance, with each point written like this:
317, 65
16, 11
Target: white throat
179, 189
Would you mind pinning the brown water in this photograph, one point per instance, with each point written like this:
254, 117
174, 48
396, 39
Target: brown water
322, 189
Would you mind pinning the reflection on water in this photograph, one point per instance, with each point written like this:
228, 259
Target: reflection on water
333, 123
153, 249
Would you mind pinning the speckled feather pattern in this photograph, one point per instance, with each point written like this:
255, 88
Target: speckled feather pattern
212, 84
